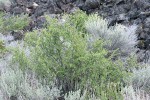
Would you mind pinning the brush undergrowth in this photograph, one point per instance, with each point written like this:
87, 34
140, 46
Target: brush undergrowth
64, 51
13, 22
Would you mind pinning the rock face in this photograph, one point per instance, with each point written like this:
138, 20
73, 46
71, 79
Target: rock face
126, 12
37, 8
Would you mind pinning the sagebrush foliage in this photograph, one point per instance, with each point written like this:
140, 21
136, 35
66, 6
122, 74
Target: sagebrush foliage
141, 79
118, 37
25, 86
131, 93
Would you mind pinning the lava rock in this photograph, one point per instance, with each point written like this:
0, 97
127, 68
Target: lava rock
92, 4
13, 98
17, 35
44, 1
17, 10
40, 21
21, 2
147, 22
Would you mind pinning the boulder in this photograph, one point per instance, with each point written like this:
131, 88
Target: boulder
17, 35
92, 4
17, 10
40, 22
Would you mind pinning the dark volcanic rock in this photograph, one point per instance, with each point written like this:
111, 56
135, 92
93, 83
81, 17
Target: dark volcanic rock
126, 12
17, 35
17, 10
40, 22
13, 98
92, 4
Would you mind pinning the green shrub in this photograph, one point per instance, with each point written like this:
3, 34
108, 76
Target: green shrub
2, 48
78, 20
61, 51
13, 22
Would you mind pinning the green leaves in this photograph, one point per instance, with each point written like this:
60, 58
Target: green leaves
2, 48
13, 22
78, 20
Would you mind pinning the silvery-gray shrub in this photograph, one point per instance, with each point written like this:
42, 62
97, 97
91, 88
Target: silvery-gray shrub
130, 93
76, 95
141, 79
118, 37
25, 86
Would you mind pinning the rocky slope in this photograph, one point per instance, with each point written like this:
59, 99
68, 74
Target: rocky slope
116, 11
127, 12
